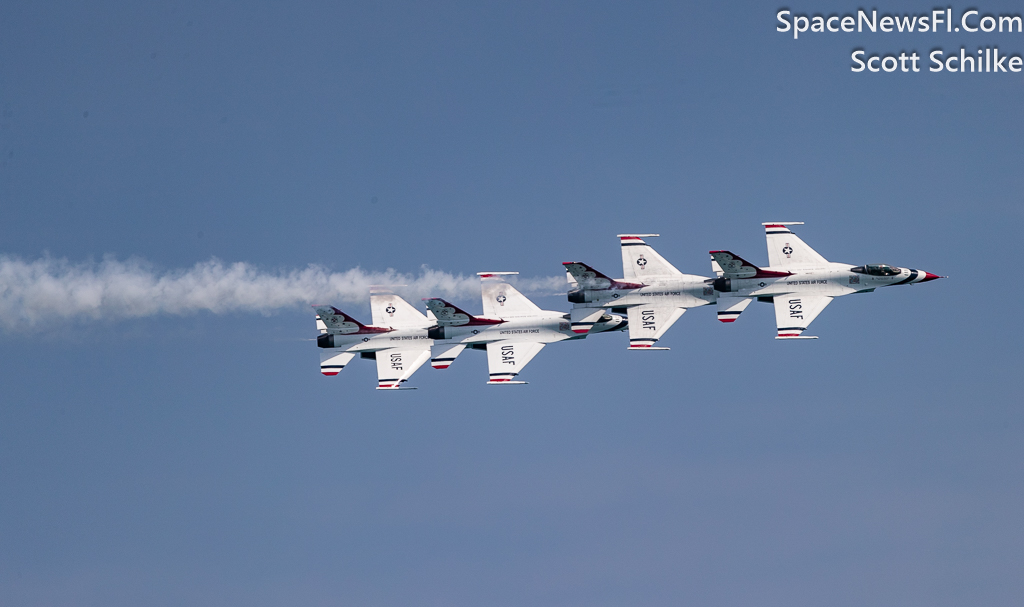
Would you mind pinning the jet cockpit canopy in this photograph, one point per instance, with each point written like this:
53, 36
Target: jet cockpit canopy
877, 269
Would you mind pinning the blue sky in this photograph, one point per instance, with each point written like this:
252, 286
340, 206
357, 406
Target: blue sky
201, 458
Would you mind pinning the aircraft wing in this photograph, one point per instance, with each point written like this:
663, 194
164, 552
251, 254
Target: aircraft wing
648, 323
396, 365
794, 312
506, 358
786, 249
502, 300
640, 261
390, 310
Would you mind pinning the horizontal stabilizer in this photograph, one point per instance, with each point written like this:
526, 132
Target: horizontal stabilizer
582, 320
734, 266
443, 355
730, 308
506, 382
331, 363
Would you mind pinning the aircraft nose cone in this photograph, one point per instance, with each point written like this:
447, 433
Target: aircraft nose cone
929, 276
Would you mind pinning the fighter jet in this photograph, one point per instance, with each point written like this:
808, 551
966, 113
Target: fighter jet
512, 329
798, 280
653, 293
397, 339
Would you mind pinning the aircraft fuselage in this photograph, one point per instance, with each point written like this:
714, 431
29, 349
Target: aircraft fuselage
687, 291
831, 280
546, 329
358, 342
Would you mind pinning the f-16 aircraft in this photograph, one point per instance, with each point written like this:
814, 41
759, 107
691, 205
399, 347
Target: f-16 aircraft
397, 339
652, 293
512, 329
798, 280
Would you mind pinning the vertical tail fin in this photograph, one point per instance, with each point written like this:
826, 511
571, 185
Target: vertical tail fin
449, 315
586, 277
502, 300
332, 320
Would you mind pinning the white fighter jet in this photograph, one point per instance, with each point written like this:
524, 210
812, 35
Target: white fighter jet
512, 329
798, 280
397, 339
653, 294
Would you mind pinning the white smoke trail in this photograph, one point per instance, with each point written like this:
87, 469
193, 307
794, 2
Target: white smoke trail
53, 289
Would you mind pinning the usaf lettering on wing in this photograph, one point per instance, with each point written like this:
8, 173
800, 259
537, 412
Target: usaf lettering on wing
796, 309
647, 316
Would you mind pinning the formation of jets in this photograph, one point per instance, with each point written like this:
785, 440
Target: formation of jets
651, 295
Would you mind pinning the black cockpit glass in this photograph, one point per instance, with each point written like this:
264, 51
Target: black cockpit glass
877, 269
